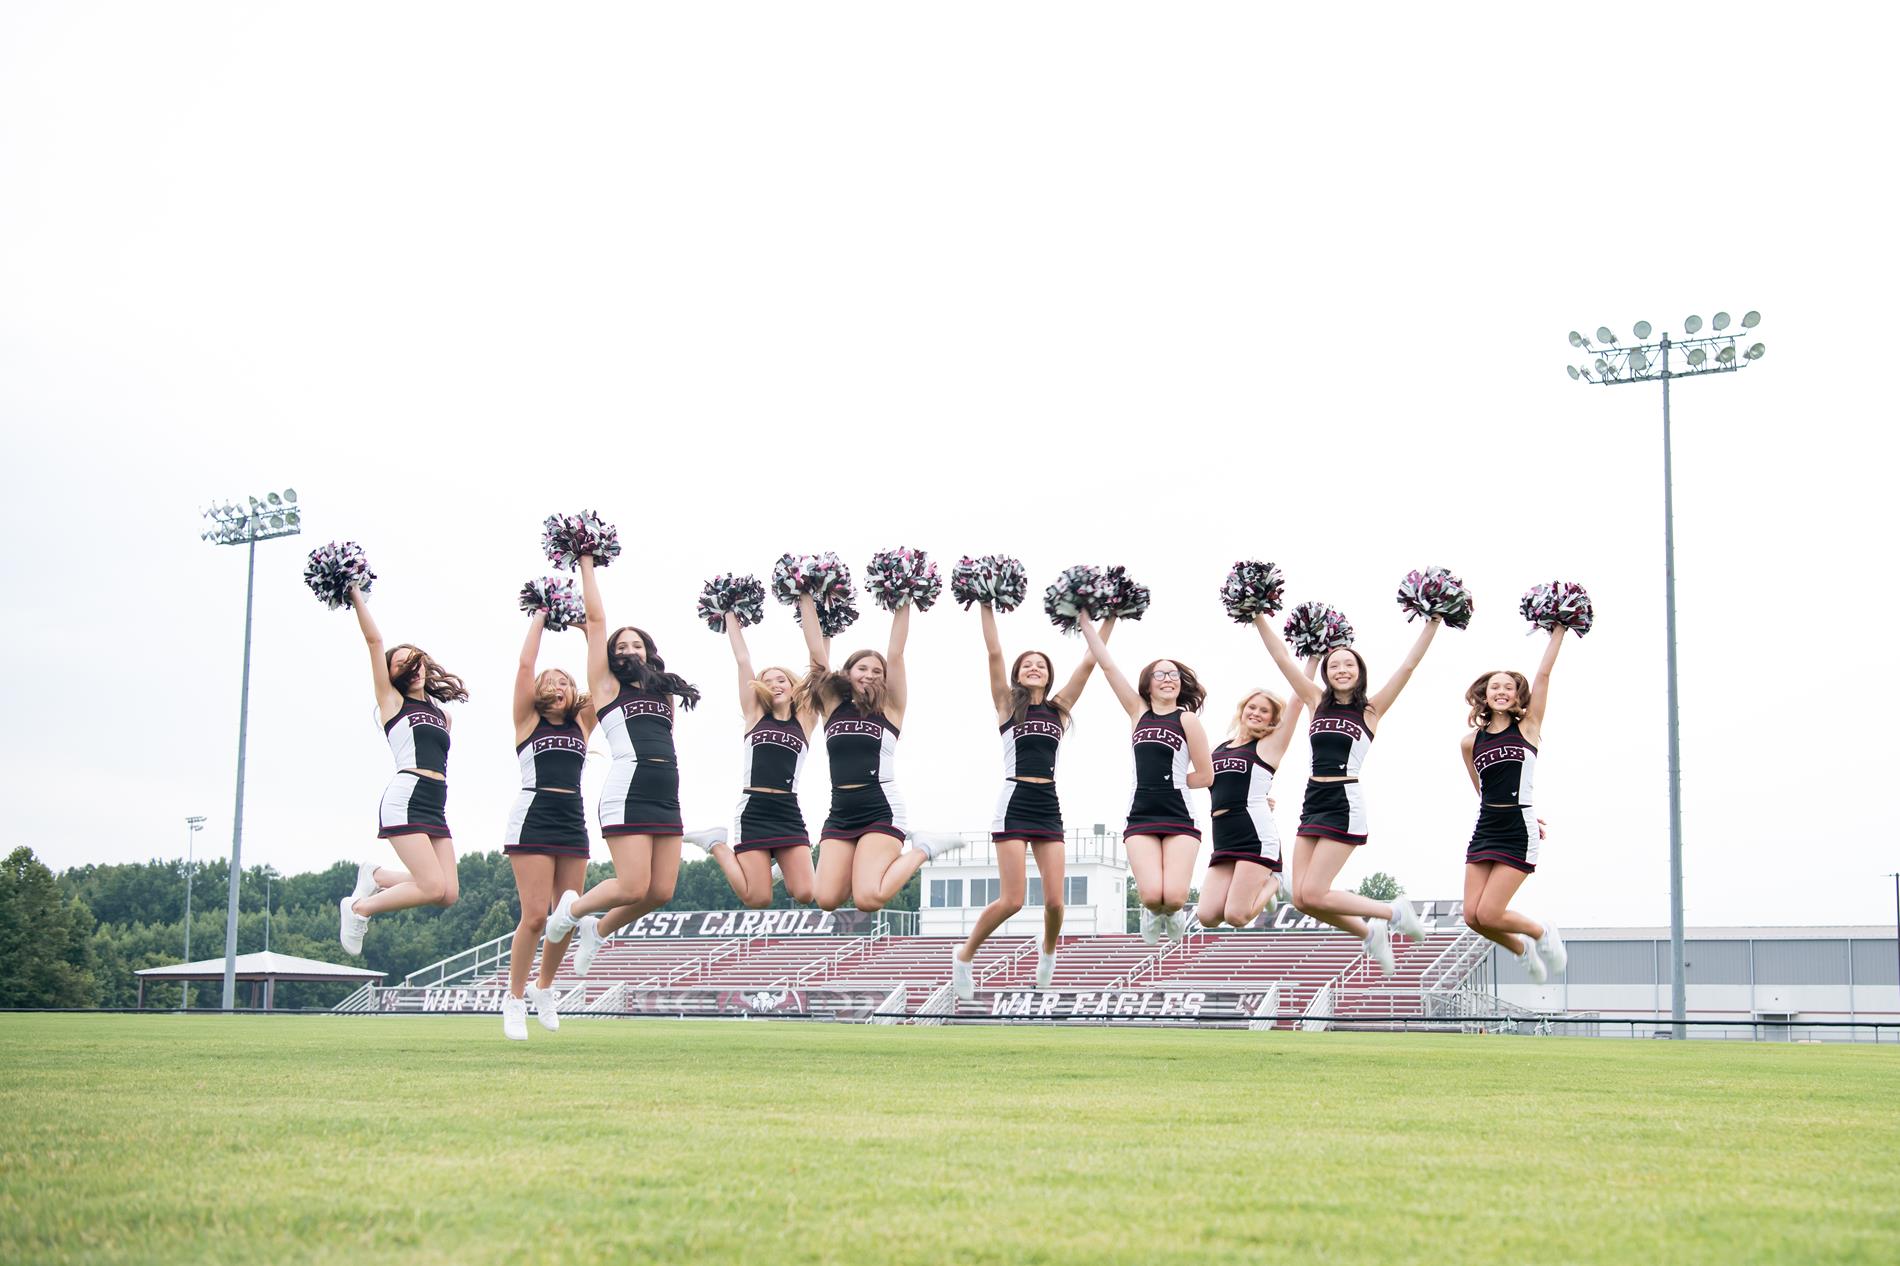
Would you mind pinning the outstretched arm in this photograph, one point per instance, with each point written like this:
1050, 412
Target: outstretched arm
817, 645
1072, 689
524, 673
1130, 697
1389, 693
742, 656
1540, 684
1305, 689
1274, 746
993, 646
1200, 759
896, 685
388, 698
599, 675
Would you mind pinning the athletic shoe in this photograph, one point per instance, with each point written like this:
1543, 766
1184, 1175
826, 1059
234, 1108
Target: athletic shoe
365, 881
588, 945
778, 876
1174, 926
546, 1008
962, 977
1286, 886
1533, 962
561, 922
1150, 926
935, 844
707, 838
1405, 920
1379, 946
1045, 967
352, 926
514, 1018
1550, 948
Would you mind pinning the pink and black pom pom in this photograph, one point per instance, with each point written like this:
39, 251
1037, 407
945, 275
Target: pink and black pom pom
741, 597
1077, 590
1559, 603
1252, 588
1313, 628
333, 568
1435, 594
559, 597
826, 578
567, 538
1121, 597
898, 576
995, 580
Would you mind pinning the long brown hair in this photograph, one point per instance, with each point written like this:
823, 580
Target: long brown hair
1193, 695
649, 674
1019, 694
1240, 712
437, 682
576, 697
1358, 697
825, 691
1481, 707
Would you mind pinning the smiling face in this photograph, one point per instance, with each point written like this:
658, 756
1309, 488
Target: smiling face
1032, 671
554, 694
778, 683
1164, 682
866, 673
627, 642
1500, 693
1259, 715
1341, 669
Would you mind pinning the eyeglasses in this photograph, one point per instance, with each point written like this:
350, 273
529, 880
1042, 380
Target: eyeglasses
1164, 674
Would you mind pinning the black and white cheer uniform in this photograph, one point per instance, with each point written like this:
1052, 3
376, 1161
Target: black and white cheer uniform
1337, 810
1160, 806
642, 795
1507, 825
548, 817
769, 816
863, 750
414, 805
1244, 832
1030, 810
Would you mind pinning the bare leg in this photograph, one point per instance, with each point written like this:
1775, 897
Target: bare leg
1144, 863
570, 874
1177, 870
1012, 866
534, 884
749, 873
832, 885
1317, 863
662, 878
1247, 894
1215, 881
1050, 861
432, 884
1491, 916
794, 865
881, 869
633, 875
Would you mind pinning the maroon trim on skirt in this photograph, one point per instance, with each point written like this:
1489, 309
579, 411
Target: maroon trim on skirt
1505, 859
773, 843
853, 835
1314, 829
430, 829
1040, 837
1163, 829
1269, 862
645, 828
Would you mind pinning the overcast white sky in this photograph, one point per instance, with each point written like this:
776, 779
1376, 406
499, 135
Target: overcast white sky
1158, 285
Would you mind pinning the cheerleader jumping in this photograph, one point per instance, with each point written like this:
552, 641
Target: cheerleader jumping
1244, 876
1333, 816
1501, 756
1171, 756
546, 841
1032, 720
769, 828
410, 689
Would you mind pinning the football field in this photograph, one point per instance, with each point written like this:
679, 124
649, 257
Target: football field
331, 1139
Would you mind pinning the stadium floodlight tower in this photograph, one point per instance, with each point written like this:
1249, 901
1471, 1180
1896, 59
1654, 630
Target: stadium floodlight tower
276, 515
1615, 365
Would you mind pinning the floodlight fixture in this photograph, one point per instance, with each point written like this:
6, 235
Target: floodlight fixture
1573, 371
1697, 355
1755, 352
1576, 339
1750, 320
1719, 322
1604, 335
1642, 329
1692, 325
1726, 356
1639, 364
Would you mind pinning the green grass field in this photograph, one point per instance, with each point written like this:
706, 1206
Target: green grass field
320, 1139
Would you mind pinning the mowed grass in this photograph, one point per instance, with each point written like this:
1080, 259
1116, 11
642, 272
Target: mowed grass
333, 1139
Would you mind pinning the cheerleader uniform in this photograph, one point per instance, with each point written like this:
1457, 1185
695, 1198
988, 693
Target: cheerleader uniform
863, 750
769, 816
642, 795
414, 805
1337, 810
548, 817
1159, 806
1245, 832
1507, 825
1030, 810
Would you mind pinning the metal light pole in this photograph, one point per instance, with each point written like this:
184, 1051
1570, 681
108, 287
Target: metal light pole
1614, 366
265, 520
193, 825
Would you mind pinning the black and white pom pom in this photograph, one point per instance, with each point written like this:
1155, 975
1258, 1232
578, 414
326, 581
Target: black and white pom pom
1313, 628
333, 568
1120, 596
560, 597
897, 576
567, 538
741, 597
1076, 590
826, 578
1559, 603
1252, 588
1435, 593
996, 580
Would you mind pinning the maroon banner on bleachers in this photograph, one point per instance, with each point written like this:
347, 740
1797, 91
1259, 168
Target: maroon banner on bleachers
827, 1002
752, 923
1116, 1004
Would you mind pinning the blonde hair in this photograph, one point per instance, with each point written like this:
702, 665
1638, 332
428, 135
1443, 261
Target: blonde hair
576, 697
762, 693
1240, 712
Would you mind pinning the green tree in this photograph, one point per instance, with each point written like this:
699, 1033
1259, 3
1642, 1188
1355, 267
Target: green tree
1379, 886
45, 955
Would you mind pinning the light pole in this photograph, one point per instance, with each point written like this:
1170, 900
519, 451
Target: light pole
1615, 366
193, 825
269, 874
265, 520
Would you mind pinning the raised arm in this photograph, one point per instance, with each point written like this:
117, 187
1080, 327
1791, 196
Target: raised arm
1540, 684
1072, 689
1274, 746
817, 645
993, 646
1305, 689
1130, 697
1389, 693
524, 675
896, 684
742, 656
599, 675
388, 698
1200, 759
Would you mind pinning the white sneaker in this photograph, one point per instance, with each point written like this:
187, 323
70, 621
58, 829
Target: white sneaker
1150, 926
778, 876
935, 844
1177, 925
1405, 920
707, 838
962, 977
1533, 962
1286, 887
1550, 948
546, 1007
1045, 967
351, 927
587, 946
365, 881
514, 1018
561, 922
1379, 945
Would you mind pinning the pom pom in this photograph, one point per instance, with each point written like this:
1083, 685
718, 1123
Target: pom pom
567, 538
826, 579
1252, 588
741, 597
559, 597
1314, 628
333, 568
1075, 591
1559, 603
996, 580
1120, 596
897, 576
1435, 593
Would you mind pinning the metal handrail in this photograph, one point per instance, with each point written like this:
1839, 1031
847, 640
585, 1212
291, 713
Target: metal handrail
441, 968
